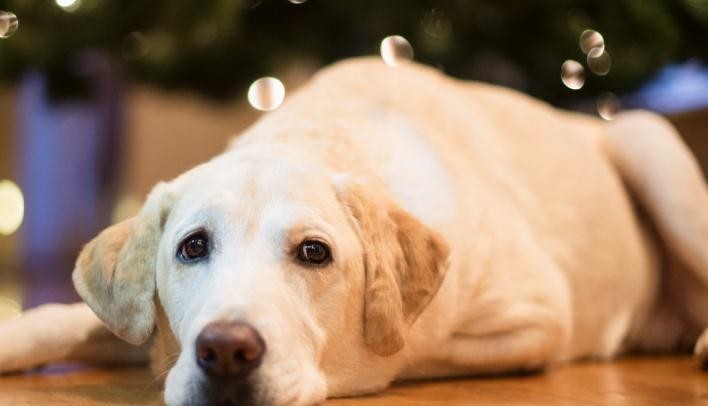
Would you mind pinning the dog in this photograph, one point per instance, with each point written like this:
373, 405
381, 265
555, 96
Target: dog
392, 223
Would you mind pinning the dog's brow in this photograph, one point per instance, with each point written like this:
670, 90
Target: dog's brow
299, 232
208, 216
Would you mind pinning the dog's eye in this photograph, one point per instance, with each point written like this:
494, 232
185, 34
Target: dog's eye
194, 247
313, 252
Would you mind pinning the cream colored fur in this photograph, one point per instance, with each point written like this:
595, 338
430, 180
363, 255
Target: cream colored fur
474, 230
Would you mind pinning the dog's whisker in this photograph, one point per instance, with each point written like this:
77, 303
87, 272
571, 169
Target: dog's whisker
158, 376
351, 239
163, 368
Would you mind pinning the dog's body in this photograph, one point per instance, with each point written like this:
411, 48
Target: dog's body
472, 230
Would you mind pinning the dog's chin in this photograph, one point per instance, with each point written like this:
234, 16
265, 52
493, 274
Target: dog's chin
195, 389
244, 393
201, 391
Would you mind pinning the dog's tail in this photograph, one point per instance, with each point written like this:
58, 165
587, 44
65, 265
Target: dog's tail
665, 178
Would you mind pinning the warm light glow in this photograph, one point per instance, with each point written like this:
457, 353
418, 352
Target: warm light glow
591, 39
8, 24
266, 94
12, 207
127, 206
436, 24
573, 74
599, 61
608, 105
396, 50
9, 309
135, 46
68, 5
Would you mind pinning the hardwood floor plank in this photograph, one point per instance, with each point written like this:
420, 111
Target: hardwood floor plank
660, 381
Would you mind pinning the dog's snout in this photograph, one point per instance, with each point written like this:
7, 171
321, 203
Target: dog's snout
229, 349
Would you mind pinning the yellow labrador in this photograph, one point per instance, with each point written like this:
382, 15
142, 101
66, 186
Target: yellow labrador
393, 223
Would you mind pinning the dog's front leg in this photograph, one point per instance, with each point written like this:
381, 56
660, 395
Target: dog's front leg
517, 318
59, 332
529, 337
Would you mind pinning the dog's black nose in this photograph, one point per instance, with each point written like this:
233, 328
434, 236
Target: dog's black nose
229, 349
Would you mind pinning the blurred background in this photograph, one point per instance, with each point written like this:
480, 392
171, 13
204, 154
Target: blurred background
100, 99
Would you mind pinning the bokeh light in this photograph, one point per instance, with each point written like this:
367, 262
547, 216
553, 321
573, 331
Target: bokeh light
573, 74
9, 309
608, 105
126, 207
8, 24
12, 207
396, 50
297, 1
68, 5
436, 24
252, 4
266, 94
135, 46
599, 61
591, 39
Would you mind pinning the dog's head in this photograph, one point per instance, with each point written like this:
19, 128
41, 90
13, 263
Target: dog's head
277, 282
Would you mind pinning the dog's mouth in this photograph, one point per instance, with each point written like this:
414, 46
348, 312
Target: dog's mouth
228, 353
302, 385
229, 393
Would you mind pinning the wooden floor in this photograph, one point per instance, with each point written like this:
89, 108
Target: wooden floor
631, 381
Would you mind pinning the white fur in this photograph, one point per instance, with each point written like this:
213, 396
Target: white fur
548, 260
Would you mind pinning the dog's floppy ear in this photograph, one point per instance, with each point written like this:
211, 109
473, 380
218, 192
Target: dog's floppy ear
115, 272
405, 263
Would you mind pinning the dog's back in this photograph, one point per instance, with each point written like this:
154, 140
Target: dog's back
469, 159
549, 256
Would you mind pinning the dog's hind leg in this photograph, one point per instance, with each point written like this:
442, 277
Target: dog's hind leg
701, 350
58, 332
666, 180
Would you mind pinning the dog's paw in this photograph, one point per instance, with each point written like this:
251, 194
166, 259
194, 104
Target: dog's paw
701, 350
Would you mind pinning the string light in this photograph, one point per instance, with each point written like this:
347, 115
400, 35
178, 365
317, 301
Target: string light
396, 50
68, 5
126, 207
266, 94
9, 309
608, 105
573, 74
591, 39
135, 46
8, 24
599, 61
12, 207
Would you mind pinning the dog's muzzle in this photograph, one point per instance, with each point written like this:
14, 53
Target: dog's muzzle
227, 353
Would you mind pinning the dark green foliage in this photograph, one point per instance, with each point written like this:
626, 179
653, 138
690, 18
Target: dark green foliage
216, 47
